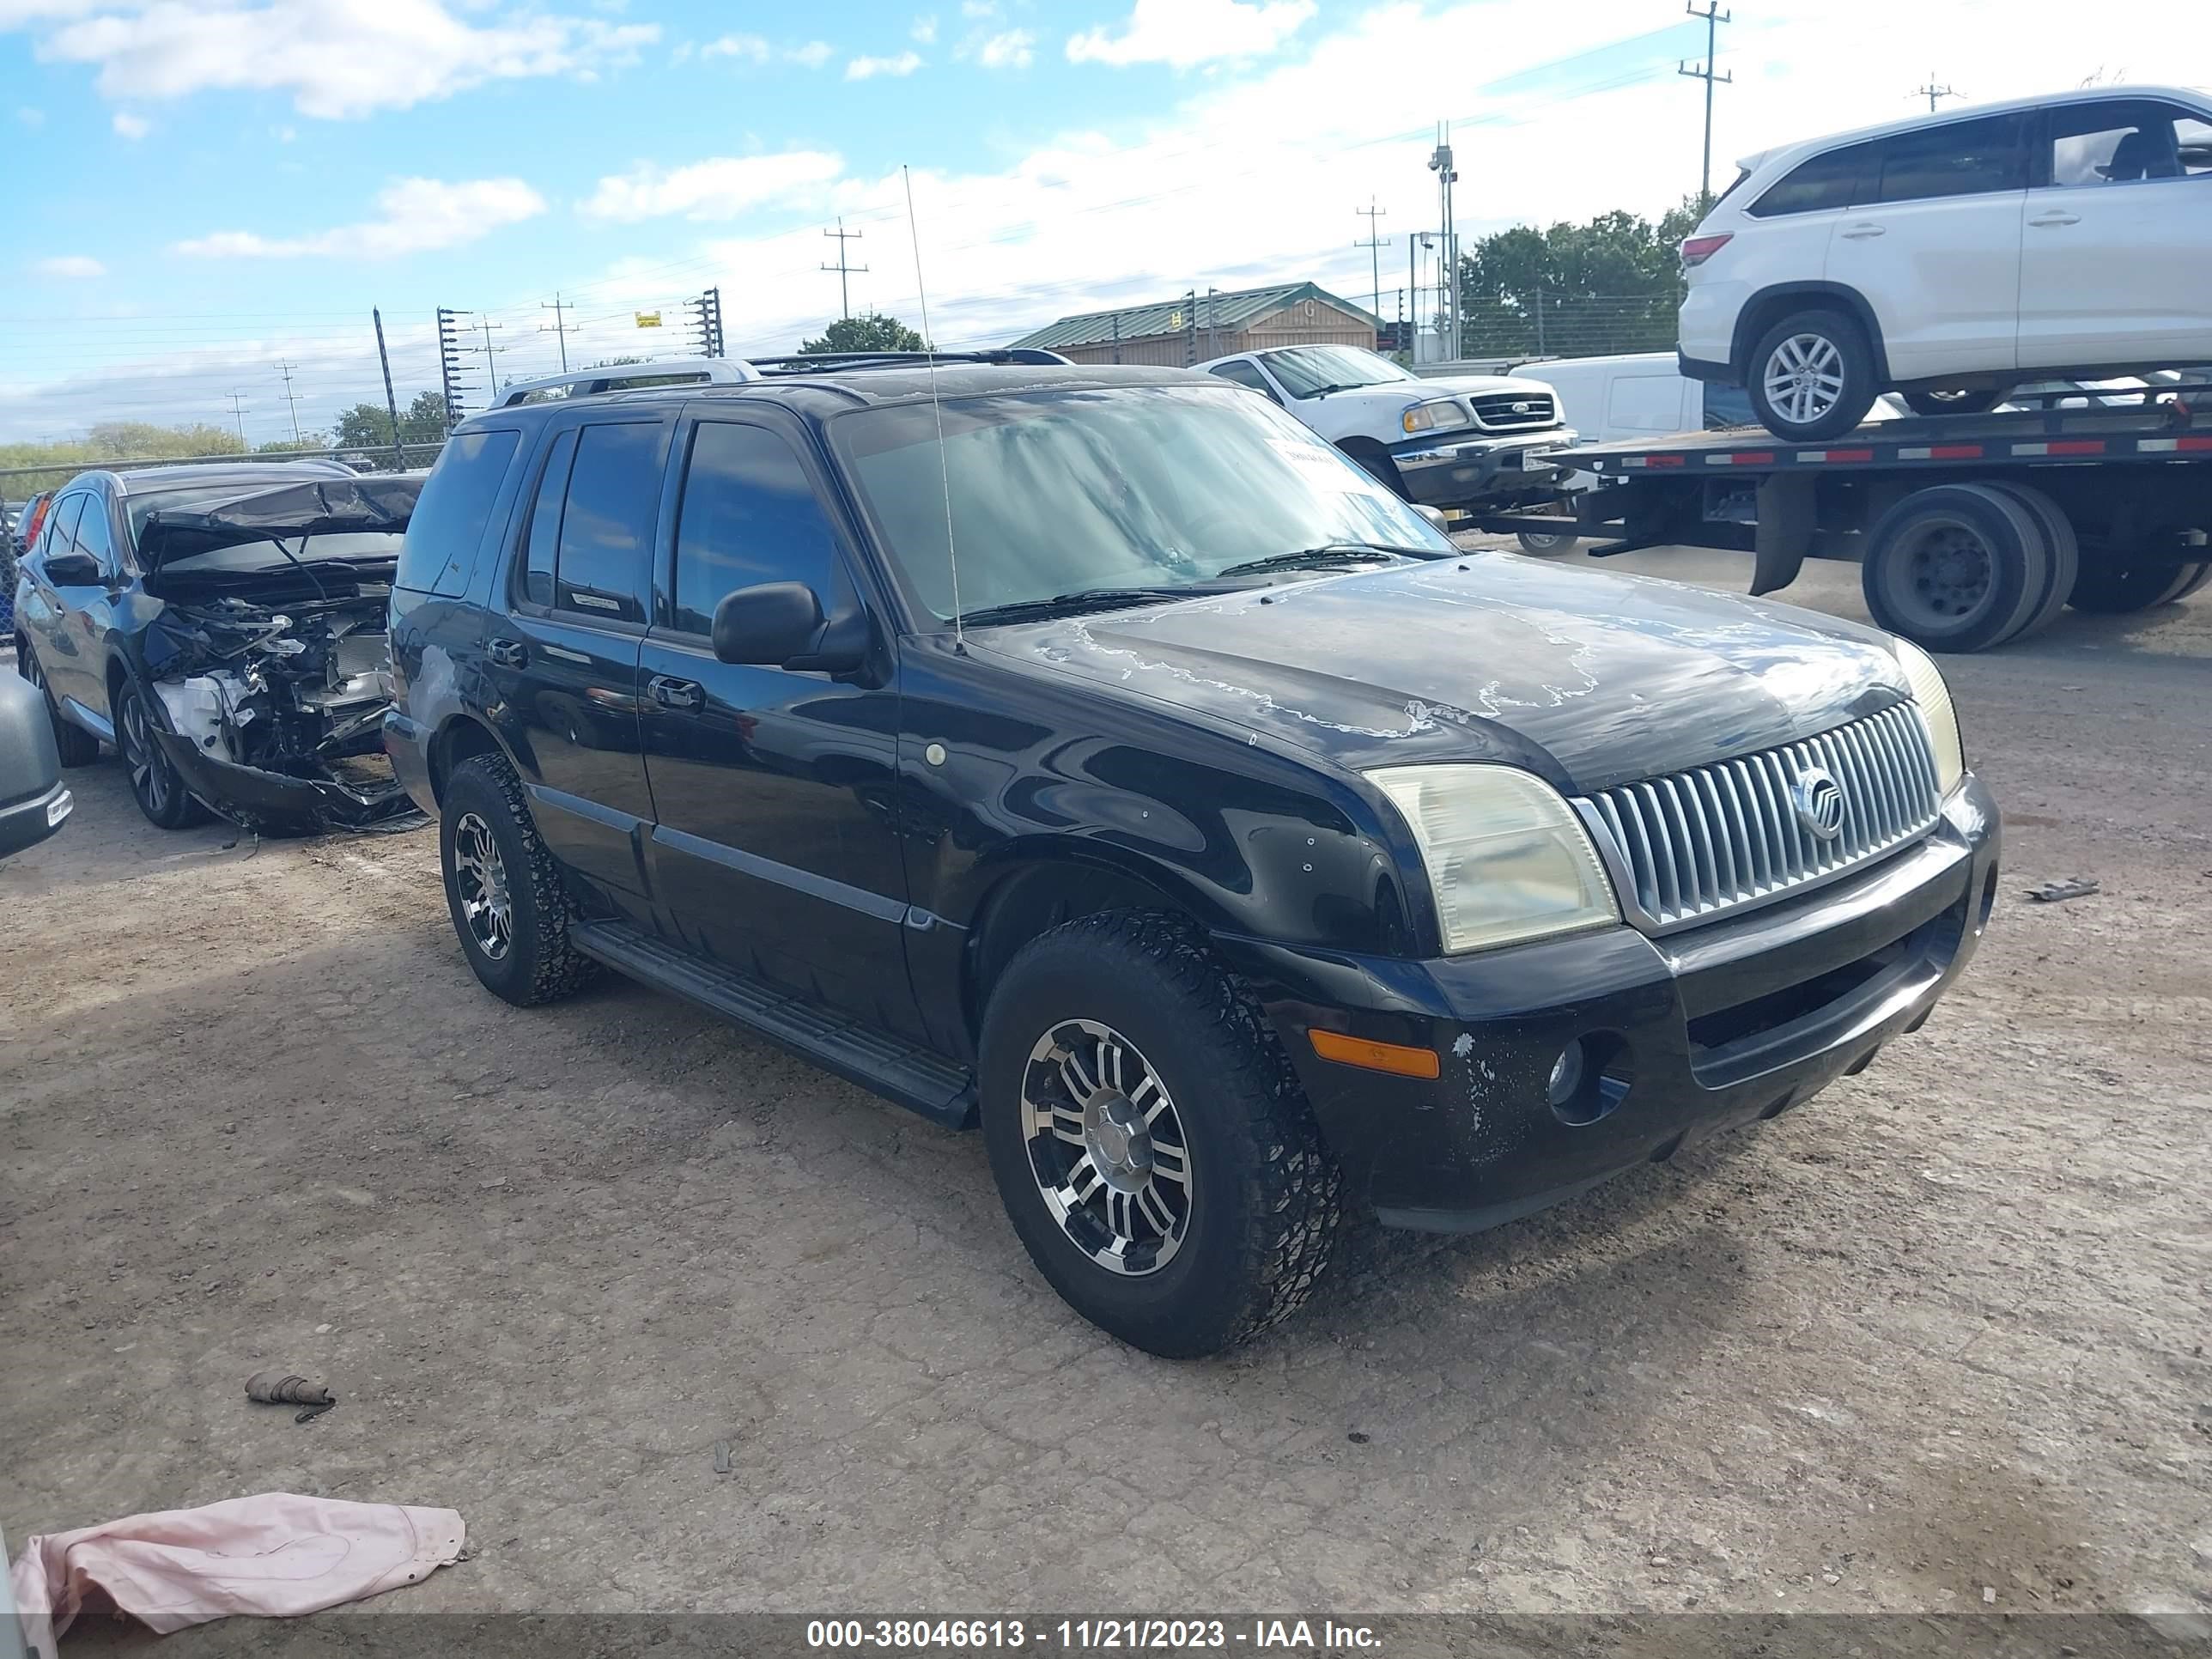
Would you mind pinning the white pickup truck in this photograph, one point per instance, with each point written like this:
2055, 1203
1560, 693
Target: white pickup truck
1486, 441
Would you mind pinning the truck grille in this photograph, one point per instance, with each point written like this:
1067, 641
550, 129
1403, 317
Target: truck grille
1714, 839
1513, 411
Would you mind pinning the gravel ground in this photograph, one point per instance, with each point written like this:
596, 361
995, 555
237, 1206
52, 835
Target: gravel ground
1933, 1342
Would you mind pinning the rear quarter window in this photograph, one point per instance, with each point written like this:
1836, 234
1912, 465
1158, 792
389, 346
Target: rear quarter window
454, 511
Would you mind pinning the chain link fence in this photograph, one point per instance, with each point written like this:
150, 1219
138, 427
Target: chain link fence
1586, 327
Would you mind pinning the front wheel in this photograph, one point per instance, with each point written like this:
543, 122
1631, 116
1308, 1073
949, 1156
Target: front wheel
1934, 403
1149, 1140
154, 783
503, 887
1813, 376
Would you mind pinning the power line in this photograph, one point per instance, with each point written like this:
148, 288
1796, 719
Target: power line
1931, 92
1374, 244
559, 327
844, 271
1714, 17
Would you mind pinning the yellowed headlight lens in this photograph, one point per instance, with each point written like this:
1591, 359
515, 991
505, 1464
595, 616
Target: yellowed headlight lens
1934, 698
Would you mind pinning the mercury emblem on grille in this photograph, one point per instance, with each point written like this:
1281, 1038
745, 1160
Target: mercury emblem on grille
1818, 800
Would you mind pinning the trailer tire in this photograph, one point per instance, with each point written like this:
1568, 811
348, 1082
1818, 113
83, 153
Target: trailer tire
2065, 548
2119, 590
1820, 343
1956, 567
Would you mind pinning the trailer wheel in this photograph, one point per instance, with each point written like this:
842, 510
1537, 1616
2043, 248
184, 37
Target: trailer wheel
1813, 376
1956, 567
2065, 563
2117, 590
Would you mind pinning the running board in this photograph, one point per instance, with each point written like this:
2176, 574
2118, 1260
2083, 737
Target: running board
867, 1054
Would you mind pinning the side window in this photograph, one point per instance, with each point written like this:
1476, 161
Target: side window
1961, 158
1817, 184
1245, 374
454, 511
748, 515
2126, 142
95, 535
1646, 402
61, 525
606, 523
545, 520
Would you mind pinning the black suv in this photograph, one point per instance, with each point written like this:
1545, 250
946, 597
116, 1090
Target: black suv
1096, 756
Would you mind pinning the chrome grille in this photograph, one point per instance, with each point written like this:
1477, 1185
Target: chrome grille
1697, 844
1513, 411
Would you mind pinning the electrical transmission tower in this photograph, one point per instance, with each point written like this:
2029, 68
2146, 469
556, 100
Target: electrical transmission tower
451, 368
843, 271
1374, 244
1931, 92
559, 327
1714, 17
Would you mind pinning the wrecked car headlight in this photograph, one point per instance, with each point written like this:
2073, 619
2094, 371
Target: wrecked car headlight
1507, 859
1934, 698
1439, 415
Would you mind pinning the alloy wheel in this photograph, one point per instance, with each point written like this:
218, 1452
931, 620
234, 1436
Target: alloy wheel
1107, 1148
480, 879
150, 780
1804, 377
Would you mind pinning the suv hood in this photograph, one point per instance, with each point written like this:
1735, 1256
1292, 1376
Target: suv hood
1589, 678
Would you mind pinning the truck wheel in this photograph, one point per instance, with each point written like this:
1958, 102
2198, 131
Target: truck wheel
1149, 1139
504, 887
1956, 567
2117, 590
1813, 376
154, 783
1540, 545
1934, 403
2065, 550
76, 745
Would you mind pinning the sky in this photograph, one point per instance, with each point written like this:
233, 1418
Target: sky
204, 198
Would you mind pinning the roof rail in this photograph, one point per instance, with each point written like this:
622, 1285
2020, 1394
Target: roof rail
667, 371
806, 362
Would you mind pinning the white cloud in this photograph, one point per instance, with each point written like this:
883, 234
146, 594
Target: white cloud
337, 58
720, 187
68, 266
865, 69
1011, 49
127, 125
979, 8
752, 47
813, 55
30, 117
1187, 31
924, 29
416, 215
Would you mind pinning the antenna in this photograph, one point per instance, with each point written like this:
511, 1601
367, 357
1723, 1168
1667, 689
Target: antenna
937, 408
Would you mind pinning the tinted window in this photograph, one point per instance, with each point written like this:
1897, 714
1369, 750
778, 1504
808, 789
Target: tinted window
1964, 158
61, 525
1243, 374
95, 536
607, 524
453, 510
748, 515
2126, 142
1819, 182
545, 520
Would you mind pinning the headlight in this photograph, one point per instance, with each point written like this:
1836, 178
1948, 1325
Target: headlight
1506, 857
1934, 700
1437, 417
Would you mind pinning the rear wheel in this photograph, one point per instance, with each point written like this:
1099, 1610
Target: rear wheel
76, 745
1149, 1140
1539, 544
2065, 550
154, 783
1956, 567
2115, 590
1813, 376
1933, 404
503, 887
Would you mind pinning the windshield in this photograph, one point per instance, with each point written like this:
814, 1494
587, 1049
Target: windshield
1054, 493
1306, 370
352, 544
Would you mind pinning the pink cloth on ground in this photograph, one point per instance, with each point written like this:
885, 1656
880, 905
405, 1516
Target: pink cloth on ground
272, 1556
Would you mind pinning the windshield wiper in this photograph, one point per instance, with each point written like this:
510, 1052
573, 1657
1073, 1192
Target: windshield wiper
1323, 391
1310, 558
1066, 605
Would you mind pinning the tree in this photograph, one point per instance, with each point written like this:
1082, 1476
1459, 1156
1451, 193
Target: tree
306, 440
1575, 290
871, 331
368, 426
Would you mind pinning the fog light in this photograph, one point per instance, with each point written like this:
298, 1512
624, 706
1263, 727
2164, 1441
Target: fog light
1566, 1074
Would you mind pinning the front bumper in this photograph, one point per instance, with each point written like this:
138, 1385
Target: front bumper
1684, 1035
274, 800
26, 823
1463, 471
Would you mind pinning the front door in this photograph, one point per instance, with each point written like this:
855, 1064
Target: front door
776, 847
63, 624
562, 657
2116, 238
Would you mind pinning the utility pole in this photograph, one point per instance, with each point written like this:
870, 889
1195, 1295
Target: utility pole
560, 326
491, 366
1374, 244
391, 402
1441, 163
237, 414
1931, 92
291, 402
844, 271
1714, 17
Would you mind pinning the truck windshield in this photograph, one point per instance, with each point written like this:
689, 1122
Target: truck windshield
1135, 486
1306, 370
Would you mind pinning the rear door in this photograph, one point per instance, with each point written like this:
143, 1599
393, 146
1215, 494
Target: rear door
1932, 242
561, 660
776, 847
2116, 237
69, 651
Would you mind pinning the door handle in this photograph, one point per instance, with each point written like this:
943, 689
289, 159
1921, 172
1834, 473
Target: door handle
508, 654
1860, 233
671, 692
2045, 221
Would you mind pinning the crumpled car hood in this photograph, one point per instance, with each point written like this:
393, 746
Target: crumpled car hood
1591, 678
309, 508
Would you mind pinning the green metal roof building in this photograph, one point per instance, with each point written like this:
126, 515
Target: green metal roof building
1176, 333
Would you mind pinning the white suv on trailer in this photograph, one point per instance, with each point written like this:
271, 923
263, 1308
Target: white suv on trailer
1951, 257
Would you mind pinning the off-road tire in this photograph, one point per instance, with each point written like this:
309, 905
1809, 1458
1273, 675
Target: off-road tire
165, 802
76, 745
1266, 1194
1862, 381
540, 965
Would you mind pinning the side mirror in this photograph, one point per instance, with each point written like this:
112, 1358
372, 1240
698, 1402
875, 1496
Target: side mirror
1435, 515
74, 570
781, 625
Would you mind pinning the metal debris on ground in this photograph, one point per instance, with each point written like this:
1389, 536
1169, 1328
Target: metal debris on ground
2075, 887
281, 1389
722, 1463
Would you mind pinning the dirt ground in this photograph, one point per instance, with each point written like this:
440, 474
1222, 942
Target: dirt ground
1935, 1341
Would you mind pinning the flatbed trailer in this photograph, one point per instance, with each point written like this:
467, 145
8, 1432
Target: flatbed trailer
1969, 530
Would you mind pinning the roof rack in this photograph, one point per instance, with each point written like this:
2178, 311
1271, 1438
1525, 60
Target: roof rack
809, 362
668, 371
